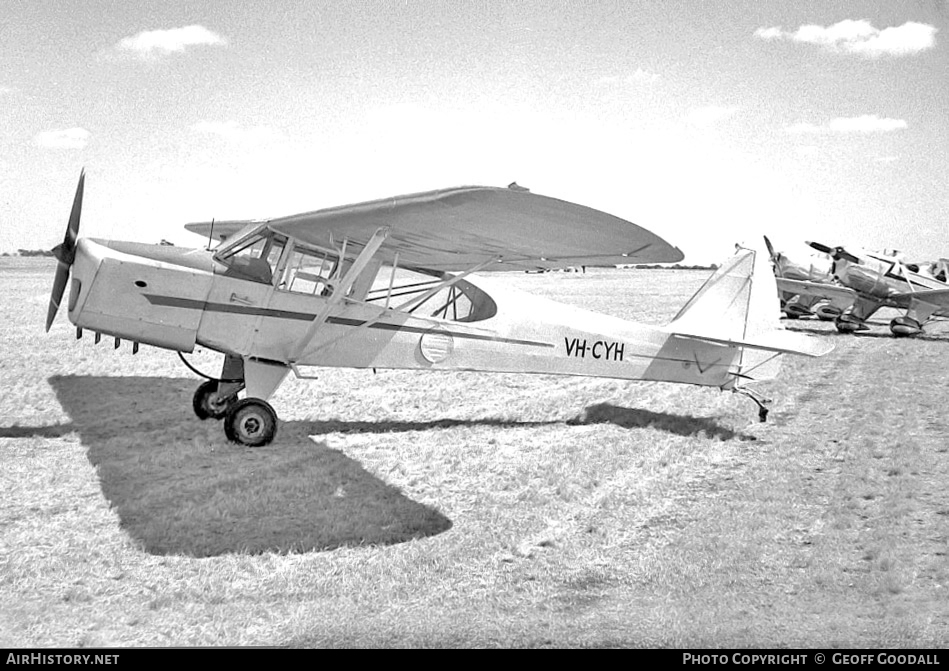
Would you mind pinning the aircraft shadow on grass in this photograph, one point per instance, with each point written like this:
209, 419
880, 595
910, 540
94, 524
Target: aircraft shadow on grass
180, 489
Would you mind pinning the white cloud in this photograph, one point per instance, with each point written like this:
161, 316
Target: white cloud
67, 138
860, 37
151, 44
769, 33
5, 90
231, 130
886, 159
867, 123
709, 116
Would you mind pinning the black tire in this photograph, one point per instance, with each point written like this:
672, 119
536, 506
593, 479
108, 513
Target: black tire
205, 403
251, 422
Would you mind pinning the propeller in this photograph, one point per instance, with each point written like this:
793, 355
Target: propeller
774, 255
822, 248
65, 253
836, 253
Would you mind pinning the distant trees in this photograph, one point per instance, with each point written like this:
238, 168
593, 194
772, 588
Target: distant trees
677, 266
34, 252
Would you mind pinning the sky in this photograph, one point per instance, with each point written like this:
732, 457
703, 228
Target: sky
709, 123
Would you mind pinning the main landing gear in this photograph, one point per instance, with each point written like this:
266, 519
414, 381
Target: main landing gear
250, 421
209, 404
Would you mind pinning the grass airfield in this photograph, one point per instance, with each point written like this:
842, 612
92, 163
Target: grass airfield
409, 509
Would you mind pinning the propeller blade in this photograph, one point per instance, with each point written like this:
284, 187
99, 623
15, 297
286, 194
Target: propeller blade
821, 248
56, 297
767, 243
841, 253
72, 230
65, 253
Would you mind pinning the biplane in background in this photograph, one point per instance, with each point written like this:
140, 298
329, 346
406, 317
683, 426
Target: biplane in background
858, 283
390, 284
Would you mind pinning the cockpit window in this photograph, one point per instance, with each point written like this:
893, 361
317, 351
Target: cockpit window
256, 259
310, 271
424, 293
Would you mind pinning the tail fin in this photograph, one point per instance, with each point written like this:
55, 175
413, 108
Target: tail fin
738, 305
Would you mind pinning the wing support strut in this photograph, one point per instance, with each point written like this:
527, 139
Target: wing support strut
365, 256
385, 311
408, 306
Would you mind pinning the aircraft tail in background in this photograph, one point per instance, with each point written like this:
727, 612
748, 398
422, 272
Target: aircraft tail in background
738, 305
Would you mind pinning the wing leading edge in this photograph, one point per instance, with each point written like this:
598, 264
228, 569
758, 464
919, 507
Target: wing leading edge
455, 229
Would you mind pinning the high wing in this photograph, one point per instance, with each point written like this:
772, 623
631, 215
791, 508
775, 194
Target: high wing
221, 230
456, 229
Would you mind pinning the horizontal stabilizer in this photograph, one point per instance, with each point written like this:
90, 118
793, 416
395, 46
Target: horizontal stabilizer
784, 342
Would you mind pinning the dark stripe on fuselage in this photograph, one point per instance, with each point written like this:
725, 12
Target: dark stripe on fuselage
901, 278
191, 304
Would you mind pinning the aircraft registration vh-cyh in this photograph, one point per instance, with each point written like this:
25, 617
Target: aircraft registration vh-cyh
390, 284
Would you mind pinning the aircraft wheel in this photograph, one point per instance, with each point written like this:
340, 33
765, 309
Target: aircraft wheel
250, 422
847, 324
905, 326
207, 404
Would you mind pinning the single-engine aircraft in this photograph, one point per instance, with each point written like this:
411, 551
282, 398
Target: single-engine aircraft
862, 282
390, 284
815, 267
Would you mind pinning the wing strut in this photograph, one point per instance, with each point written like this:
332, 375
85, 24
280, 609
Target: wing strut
408, 306
395, 264
341, 290
385, 312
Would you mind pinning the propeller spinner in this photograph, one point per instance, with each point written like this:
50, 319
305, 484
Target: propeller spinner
65, 253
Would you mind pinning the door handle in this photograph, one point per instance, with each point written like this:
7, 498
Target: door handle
243, 300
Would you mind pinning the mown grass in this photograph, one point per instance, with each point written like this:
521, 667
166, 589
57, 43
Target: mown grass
405, 509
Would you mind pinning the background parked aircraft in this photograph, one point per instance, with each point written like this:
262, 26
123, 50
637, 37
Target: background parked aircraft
862, 282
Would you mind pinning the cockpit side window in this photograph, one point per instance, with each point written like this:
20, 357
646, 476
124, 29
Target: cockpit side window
310, 271
422, 292
256, 259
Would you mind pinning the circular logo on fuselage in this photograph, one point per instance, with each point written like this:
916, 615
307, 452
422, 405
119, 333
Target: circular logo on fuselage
436, 346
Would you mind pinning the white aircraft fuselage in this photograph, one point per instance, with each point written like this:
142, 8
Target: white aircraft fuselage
176, 299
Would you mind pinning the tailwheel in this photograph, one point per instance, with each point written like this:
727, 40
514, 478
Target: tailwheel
761, 401
208, 404
250, 422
